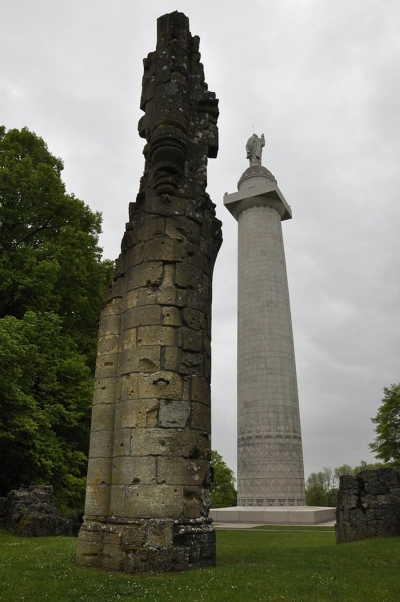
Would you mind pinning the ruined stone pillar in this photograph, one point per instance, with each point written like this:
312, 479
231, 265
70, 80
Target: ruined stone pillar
148, 478
270, 456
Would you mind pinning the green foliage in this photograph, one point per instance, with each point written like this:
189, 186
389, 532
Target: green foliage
45, 392
52, 280
50, 260
269, 566
223, 493
387, 443
322, 487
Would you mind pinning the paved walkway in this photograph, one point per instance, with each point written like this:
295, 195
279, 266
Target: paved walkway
255, 527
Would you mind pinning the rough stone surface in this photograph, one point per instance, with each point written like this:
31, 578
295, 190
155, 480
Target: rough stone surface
368, 505
31, 513
148, 482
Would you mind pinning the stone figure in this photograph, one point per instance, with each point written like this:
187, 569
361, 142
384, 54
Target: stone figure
147, 495
254, 148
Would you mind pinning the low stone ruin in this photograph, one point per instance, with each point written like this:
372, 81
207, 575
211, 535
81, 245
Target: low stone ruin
368, 505
31, 513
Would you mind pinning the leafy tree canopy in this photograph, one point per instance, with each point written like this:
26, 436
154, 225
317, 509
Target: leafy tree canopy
49, 255
52, 280
387, 442
223, 493
322, 486
45, 392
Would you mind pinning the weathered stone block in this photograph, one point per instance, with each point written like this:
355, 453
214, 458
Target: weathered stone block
188, 276
169, 274
129, 386
179, 226
154, 227
181, 471
192, 502
147, 296
108, 344
156, 335
165, 249
201, 417
159, 533
191, 363
133, 256
140, 359
154, 501
161, 442
171, 358
171, 316
201, 390
122, 442
103, 417
147, 274
139, 413
107, 366
130, 299
201, 446
101, 444
160, 385
134, 535
142, 315
128, 339
132, 471
97, 499
194, 318
117, 500
174, 414
105, 390
114, 304
196, 300
190, 340
181, 297
109, 324
99, 472
167, 296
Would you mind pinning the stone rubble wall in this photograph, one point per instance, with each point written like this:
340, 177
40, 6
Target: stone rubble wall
368, 505
31, 513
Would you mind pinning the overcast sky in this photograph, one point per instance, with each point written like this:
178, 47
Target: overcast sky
321, 79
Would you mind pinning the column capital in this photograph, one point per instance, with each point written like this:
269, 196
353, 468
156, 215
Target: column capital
256, 193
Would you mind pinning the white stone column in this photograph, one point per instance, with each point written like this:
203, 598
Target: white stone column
270, 458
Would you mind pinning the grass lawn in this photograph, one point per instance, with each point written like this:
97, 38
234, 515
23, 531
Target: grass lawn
255, 565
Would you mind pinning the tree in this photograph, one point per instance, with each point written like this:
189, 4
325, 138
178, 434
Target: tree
223, 493
387, 442
45, 392
50, 260
320, 490
52, 280
322, 487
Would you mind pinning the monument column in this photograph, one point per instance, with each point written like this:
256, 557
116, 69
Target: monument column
148, 484
270, 458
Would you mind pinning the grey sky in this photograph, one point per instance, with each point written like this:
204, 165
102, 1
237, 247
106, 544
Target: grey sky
321, 79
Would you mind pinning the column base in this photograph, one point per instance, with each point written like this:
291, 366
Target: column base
142, 545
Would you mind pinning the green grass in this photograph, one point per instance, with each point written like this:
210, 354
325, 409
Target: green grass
263, 565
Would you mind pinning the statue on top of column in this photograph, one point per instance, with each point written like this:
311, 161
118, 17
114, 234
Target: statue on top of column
254, 148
